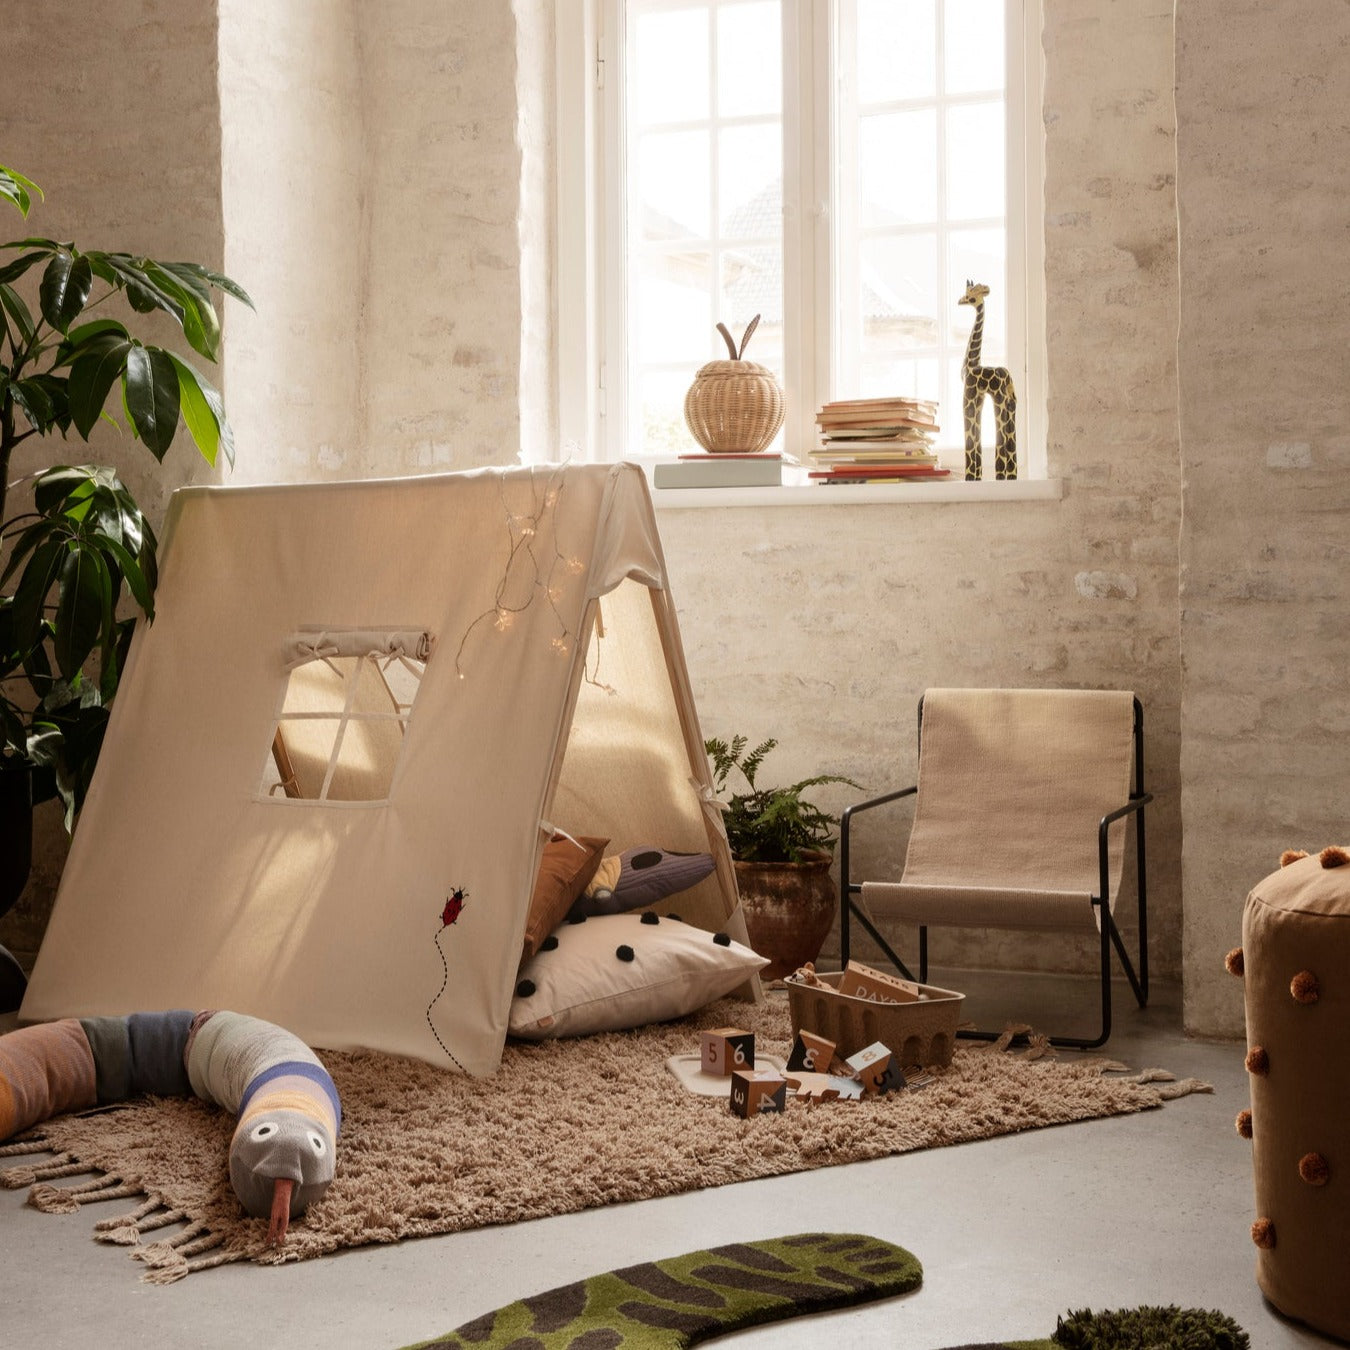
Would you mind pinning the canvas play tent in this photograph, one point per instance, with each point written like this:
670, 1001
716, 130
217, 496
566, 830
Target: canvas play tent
356, 701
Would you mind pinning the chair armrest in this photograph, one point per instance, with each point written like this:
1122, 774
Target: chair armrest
1133, 805
849, 813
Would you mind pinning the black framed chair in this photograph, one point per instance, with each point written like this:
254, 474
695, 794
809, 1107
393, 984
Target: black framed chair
1019, 822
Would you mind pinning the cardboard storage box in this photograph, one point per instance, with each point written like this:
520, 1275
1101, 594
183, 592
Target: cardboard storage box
919, 1032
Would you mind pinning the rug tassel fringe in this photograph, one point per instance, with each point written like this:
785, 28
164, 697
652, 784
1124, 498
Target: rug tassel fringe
124, 1230
180, 1269
16, 1178
168, 1252
68, 1199
30, 1143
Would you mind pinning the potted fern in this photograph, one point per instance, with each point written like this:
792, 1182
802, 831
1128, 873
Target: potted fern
782, 846
79, 547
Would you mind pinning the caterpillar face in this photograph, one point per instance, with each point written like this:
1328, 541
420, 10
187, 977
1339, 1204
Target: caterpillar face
280, 1145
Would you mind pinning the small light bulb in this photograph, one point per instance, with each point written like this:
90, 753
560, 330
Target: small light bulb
575, 565
560, 646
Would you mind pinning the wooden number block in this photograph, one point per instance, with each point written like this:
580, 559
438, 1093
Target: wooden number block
872, 1068
860, 981
726, 1050
811, 1053
757, 1092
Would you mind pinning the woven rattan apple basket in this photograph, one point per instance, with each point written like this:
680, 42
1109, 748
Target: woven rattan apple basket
735, 406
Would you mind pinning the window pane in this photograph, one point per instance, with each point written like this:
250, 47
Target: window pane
660, 413
674, 192
897, 168
976, 159
752, 283
901, 377
897, 50
974, 46
668, 64
979, 255
750, 181
897, 281
672, 317
750, 59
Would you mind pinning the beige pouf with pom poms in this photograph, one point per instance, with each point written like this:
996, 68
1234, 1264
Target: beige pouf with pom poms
1295, 964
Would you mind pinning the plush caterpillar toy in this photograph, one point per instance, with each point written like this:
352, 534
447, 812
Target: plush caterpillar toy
283, 1151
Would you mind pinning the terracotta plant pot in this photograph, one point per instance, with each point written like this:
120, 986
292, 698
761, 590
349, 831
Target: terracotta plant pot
789, 910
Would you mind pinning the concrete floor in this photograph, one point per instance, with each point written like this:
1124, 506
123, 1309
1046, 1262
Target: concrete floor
1153, 1208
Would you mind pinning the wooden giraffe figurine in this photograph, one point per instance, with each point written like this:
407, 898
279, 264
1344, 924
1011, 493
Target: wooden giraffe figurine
979, 382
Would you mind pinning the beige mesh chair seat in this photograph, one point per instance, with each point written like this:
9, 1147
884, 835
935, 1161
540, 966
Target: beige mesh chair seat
1019, 823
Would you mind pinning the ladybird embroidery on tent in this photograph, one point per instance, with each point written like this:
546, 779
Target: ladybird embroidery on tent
454, 906
450, 912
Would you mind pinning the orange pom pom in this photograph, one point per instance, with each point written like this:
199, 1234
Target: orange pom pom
1258, 1062
1304, 987
1243, 1124
1333, 857
1291, 855
1233, 962
1312, 1167
1263, 1233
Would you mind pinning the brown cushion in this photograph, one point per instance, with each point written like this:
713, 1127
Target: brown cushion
564, 873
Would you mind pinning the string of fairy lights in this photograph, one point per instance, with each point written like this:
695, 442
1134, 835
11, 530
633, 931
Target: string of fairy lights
535, 566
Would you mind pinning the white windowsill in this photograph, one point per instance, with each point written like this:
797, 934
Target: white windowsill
869, 494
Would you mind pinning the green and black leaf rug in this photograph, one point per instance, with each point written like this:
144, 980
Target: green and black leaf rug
684, 1300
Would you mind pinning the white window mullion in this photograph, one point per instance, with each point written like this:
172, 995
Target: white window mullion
1026, 235
616, 193
804, 225
845, 227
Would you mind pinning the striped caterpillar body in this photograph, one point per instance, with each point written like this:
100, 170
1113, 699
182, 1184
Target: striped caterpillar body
284, 1147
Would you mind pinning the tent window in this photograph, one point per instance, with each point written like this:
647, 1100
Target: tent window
341, 724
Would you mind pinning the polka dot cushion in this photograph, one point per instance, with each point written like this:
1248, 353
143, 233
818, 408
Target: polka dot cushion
618, 971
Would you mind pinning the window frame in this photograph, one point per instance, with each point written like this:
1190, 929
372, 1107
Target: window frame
590, 292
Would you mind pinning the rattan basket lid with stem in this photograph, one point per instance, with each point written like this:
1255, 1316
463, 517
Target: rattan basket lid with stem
734, 406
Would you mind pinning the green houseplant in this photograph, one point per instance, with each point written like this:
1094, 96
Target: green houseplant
81, 553
782, 846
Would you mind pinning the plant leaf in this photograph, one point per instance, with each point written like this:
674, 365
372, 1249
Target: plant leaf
31, 595
65, 289
203, 413
91, 380
83, 608
13, 271
142, 292
201, 325
35, 403
27, 542
18, 311
136, 580
150, 391
218, 279
16, 188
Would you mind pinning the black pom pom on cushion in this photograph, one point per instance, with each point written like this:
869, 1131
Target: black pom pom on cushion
651, 918
525, 988
576, 918
722, 939
624, 953
549, 944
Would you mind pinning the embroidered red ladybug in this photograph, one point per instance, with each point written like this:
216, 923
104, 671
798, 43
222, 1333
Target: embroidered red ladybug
454, 906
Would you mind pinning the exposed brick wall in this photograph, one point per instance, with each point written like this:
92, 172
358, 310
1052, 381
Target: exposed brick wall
1263, 103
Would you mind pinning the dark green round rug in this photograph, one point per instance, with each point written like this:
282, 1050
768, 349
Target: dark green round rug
1135, 1329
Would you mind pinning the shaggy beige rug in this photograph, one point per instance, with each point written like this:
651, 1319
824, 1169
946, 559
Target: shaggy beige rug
564, 1126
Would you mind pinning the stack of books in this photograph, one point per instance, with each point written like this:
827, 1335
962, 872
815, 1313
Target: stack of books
876, 440
704, 469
